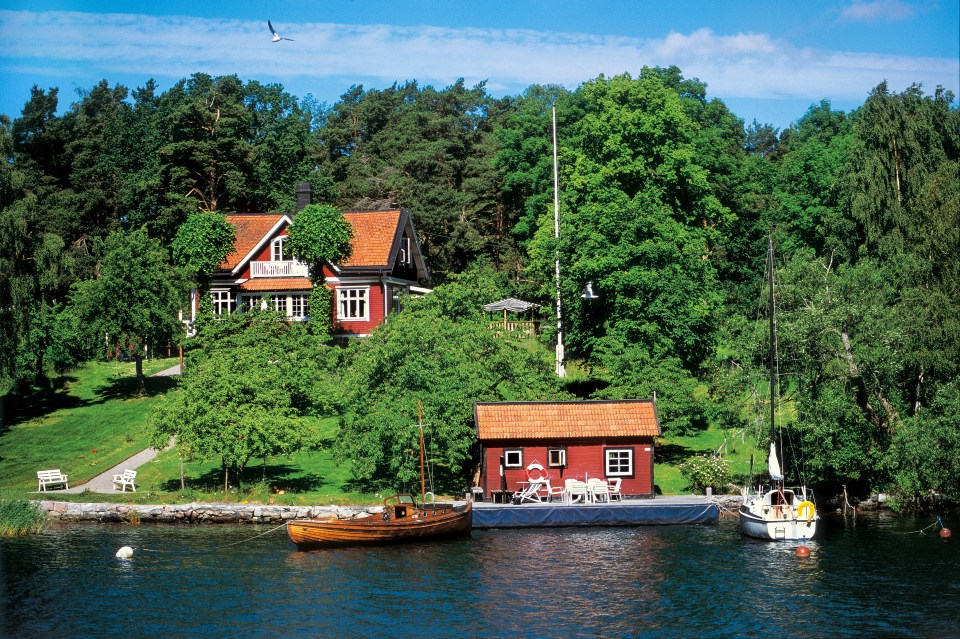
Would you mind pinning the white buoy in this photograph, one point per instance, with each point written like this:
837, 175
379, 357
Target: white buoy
125, 553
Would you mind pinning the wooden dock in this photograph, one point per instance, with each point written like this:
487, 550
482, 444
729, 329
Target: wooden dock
662, 511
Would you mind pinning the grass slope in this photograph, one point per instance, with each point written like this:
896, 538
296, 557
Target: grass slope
97, 420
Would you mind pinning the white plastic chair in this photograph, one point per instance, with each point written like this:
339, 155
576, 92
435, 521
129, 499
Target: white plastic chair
615, 489
599, 490
576, 491
555, 491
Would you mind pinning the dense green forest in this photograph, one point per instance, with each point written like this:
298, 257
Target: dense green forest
667, 202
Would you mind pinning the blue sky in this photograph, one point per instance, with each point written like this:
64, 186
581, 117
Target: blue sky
767, 61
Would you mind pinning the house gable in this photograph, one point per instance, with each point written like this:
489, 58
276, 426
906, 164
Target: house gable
253, 232
385, 263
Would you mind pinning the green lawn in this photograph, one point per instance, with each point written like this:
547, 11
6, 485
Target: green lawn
97, 420
93, 423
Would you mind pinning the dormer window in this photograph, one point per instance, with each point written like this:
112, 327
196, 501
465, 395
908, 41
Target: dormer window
277, 252
405, 258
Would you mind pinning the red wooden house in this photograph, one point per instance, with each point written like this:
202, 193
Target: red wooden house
385, 262
578, 440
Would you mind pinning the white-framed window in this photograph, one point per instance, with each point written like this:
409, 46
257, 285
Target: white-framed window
618, 462
222, 302
279, 303
353, 303
252, 302
557, 457
277, 252
406, 256
298, 306
513, 458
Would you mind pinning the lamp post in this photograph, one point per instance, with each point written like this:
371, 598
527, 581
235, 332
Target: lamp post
561, 370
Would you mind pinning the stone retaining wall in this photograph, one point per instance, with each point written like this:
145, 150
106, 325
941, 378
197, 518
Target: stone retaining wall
197, 513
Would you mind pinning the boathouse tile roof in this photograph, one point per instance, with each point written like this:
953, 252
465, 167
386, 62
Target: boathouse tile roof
566, 420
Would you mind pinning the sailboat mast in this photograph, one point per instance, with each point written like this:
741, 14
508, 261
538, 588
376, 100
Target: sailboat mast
423, 487
773, 347
773, 461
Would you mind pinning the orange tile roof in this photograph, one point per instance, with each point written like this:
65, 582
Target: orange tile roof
373, 235
250, 231
277, 284
568, 420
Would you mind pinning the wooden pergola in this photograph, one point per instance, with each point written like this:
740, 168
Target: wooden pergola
525, 325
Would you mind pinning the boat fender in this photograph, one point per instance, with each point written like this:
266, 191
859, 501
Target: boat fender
807, 505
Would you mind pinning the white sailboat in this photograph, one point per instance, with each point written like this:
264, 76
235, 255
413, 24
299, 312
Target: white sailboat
774, 512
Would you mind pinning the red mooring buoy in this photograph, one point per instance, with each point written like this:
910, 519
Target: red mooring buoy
803, 551
944, 533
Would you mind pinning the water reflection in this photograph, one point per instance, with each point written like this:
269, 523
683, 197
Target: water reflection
863, 579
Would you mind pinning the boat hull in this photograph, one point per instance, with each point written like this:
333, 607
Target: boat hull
421, 525
770, 528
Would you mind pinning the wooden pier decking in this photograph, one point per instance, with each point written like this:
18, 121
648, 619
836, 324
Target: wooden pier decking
682, 509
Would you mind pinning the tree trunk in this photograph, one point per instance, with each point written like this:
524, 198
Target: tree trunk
141, 383
892, 417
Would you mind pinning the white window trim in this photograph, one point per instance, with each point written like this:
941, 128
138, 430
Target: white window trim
619, 473
562, 457
515, 451
220, 296
365, 291
277, 246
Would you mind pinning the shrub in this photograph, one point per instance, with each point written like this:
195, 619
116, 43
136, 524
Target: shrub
19, 517
705, 471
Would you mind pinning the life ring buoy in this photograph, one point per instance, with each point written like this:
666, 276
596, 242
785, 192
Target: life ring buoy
807, 505
541, 474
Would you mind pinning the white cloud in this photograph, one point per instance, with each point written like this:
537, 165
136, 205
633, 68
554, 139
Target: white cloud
744, 65
889, 10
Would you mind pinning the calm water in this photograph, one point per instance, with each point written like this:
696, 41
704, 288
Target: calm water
872, 579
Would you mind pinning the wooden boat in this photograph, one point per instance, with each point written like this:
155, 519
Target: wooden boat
774, 512
402, 520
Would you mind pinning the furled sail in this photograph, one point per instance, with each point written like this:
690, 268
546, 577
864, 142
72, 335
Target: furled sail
773, 463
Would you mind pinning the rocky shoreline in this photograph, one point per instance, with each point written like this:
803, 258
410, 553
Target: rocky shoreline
224, 513
196, 513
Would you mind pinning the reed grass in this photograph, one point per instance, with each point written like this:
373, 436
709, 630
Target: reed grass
19, 517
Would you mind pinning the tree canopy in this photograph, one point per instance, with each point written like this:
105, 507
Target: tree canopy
667, 200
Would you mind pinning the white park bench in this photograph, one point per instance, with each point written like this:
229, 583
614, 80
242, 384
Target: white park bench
125, 479
50, 478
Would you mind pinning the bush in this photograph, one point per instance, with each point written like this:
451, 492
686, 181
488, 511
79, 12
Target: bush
19, 517
705, 472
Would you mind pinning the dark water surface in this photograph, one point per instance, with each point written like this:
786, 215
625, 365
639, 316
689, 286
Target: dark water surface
869, 579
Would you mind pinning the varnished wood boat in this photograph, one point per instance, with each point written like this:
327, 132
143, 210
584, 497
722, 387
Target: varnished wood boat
402, 520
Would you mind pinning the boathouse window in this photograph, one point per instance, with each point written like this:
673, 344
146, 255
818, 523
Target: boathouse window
513, 458
618, 462
557, 457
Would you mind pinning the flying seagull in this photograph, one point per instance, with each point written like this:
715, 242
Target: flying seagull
276, 36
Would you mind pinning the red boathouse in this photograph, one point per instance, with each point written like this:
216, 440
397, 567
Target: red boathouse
576, 440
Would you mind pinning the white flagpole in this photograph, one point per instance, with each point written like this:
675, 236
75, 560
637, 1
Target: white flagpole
561, 371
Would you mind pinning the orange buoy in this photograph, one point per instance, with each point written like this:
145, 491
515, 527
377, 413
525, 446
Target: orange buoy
803, 551
944, 533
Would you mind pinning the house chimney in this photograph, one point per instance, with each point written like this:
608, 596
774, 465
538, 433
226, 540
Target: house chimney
304, 195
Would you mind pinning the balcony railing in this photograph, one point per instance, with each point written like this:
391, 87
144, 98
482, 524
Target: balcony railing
288, 268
